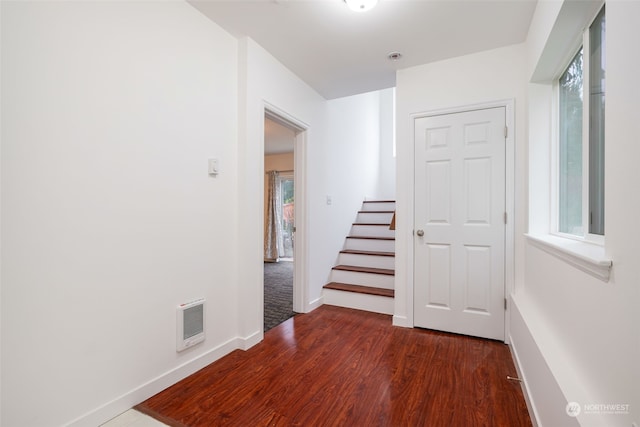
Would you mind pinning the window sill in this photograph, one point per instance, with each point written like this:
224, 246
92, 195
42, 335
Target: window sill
587, 257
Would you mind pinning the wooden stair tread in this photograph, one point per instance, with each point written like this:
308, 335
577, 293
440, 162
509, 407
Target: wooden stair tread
384, 271
379, 201
371, 223
358, 252
360, 289
378, 212
371, 238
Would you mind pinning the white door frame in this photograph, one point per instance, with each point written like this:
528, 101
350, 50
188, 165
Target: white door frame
300, 249
509, 262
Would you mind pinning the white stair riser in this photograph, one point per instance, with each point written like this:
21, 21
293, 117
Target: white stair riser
373, 303
367, 279
373, 261
379, 206
374, 218
370, 245
371, 231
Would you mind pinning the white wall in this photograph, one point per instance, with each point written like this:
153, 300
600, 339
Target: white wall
360, 146
340, 135
575, 336
109, 219
582, 331
358, 153
469, 80
387, 160
266, 82
620, 301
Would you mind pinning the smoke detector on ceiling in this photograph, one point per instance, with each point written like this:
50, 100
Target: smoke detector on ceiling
361, 5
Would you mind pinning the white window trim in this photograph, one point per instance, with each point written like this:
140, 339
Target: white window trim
586, 115
588, 257
587, 252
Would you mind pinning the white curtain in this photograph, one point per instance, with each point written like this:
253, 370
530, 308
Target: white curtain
273, 244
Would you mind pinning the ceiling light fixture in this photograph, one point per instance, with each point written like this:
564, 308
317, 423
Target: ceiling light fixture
394, 56
361, 5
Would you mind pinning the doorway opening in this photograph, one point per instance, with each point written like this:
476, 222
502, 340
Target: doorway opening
282, 281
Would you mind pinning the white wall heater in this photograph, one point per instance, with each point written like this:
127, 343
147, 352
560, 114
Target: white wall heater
190, 324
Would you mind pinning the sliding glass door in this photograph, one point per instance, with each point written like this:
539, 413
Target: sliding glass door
285, 182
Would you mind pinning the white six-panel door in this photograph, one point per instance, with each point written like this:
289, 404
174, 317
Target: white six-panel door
459, 237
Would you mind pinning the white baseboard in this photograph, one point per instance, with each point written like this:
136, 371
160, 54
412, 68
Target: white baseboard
543, 394
533, 414
253, 339
314, 304
141, 393
401, 321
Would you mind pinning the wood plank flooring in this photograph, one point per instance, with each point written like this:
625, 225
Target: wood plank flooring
341, 367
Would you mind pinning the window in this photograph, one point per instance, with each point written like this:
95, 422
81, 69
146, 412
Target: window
581, 106
570, 148
596, 124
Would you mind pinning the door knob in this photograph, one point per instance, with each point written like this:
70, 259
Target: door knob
420, 233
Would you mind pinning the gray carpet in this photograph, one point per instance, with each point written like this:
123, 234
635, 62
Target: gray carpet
278, 293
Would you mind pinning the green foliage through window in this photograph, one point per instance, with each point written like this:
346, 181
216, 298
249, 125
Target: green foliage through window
570, 148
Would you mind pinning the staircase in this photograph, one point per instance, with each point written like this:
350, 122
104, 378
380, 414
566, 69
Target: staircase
364, 276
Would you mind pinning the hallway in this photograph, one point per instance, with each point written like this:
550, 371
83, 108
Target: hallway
337, 366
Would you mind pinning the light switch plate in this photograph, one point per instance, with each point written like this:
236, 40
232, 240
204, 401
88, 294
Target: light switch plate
214, 166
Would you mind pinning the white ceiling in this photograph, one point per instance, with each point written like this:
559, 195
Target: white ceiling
340, 53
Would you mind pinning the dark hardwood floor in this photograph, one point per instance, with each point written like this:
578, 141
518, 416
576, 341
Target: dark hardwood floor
342, 367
